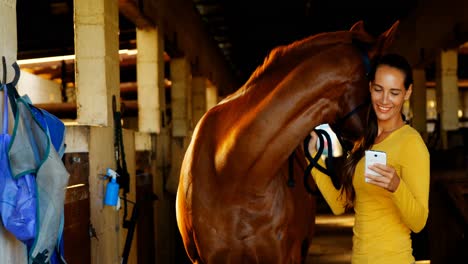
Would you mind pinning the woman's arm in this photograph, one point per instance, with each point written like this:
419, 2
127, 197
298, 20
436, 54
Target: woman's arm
412, 195
332, 196
410, 190
334, 199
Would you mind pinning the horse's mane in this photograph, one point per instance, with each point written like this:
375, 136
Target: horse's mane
297, 49
274, 58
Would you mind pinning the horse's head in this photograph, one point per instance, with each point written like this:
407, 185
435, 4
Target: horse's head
355, 102
304, 58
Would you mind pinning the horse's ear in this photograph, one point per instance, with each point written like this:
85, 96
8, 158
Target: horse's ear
385, 40
389, 35
358, 27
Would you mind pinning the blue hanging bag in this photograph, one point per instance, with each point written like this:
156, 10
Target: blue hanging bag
17, 196
31, 158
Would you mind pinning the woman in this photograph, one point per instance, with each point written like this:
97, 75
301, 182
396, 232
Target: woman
387, 207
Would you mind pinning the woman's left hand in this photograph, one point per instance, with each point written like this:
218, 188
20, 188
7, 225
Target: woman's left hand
389, 179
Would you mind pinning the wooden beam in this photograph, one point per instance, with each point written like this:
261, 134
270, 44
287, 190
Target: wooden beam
132, 11
461, 84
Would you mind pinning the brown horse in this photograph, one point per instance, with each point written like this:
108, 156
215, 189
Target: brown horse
233, 202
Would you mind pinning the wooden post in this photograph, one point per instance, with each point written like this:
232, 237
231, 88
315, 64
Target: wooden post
447, 92
418, 101
180, 94
211, 95
198, 98
97, 81
150, 77
153, 129
11, 249
181, 118
97, 60
104, 219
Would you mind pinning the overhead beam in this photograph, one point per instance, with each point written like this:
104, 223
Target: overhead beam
132, 11
184, 28
430, 27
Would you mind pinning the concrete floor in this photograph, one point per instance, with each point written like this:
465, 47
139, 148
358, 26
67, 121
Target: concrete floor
332, 242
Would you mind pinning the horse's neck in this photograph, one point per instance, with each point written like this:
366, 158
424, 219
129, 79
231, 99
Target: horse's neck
283, 95
278, 112
268, 78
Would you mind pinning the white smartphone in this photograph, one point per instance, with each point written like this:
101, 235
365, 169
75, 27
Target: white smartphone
372, 157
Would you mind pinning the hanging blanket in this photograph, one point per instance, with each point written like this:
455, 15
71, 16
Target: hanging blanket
37, 145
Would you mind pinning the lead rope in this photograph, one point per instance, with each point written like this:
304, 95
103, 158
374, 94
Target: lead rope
124, 177
313, 161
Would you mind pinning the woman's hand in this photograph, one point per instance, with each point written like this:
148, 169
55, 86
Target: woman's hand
389, 179
313, 143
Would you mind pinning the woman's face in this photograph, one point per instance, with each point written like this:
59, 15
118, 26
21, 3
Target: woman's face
388, 93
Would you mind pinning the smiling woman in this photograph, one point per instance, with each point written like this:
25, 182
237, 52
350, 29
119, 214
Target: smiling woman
391, 87
390, 206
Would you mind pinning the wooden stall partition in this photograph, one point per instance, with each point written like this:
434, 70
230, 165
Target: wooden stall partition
77, 226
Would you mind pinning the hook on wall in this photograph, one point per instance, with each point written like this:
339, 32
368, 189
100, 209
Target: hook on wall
17, 72
12, 92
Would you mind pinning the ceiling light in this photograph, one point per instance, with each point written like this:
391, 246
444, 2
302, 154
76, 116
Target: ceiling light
66, 57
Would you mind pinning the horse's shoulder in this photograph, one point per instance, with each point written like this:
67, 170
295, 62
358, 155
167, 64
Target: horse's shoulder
212, 125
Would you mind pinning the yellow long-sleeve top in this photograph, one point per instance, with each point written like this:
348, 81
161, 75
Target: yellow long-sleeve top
384, 220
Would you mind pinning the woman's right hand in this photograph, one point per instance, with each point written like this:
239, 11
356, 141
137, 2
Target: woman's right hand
313, 143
